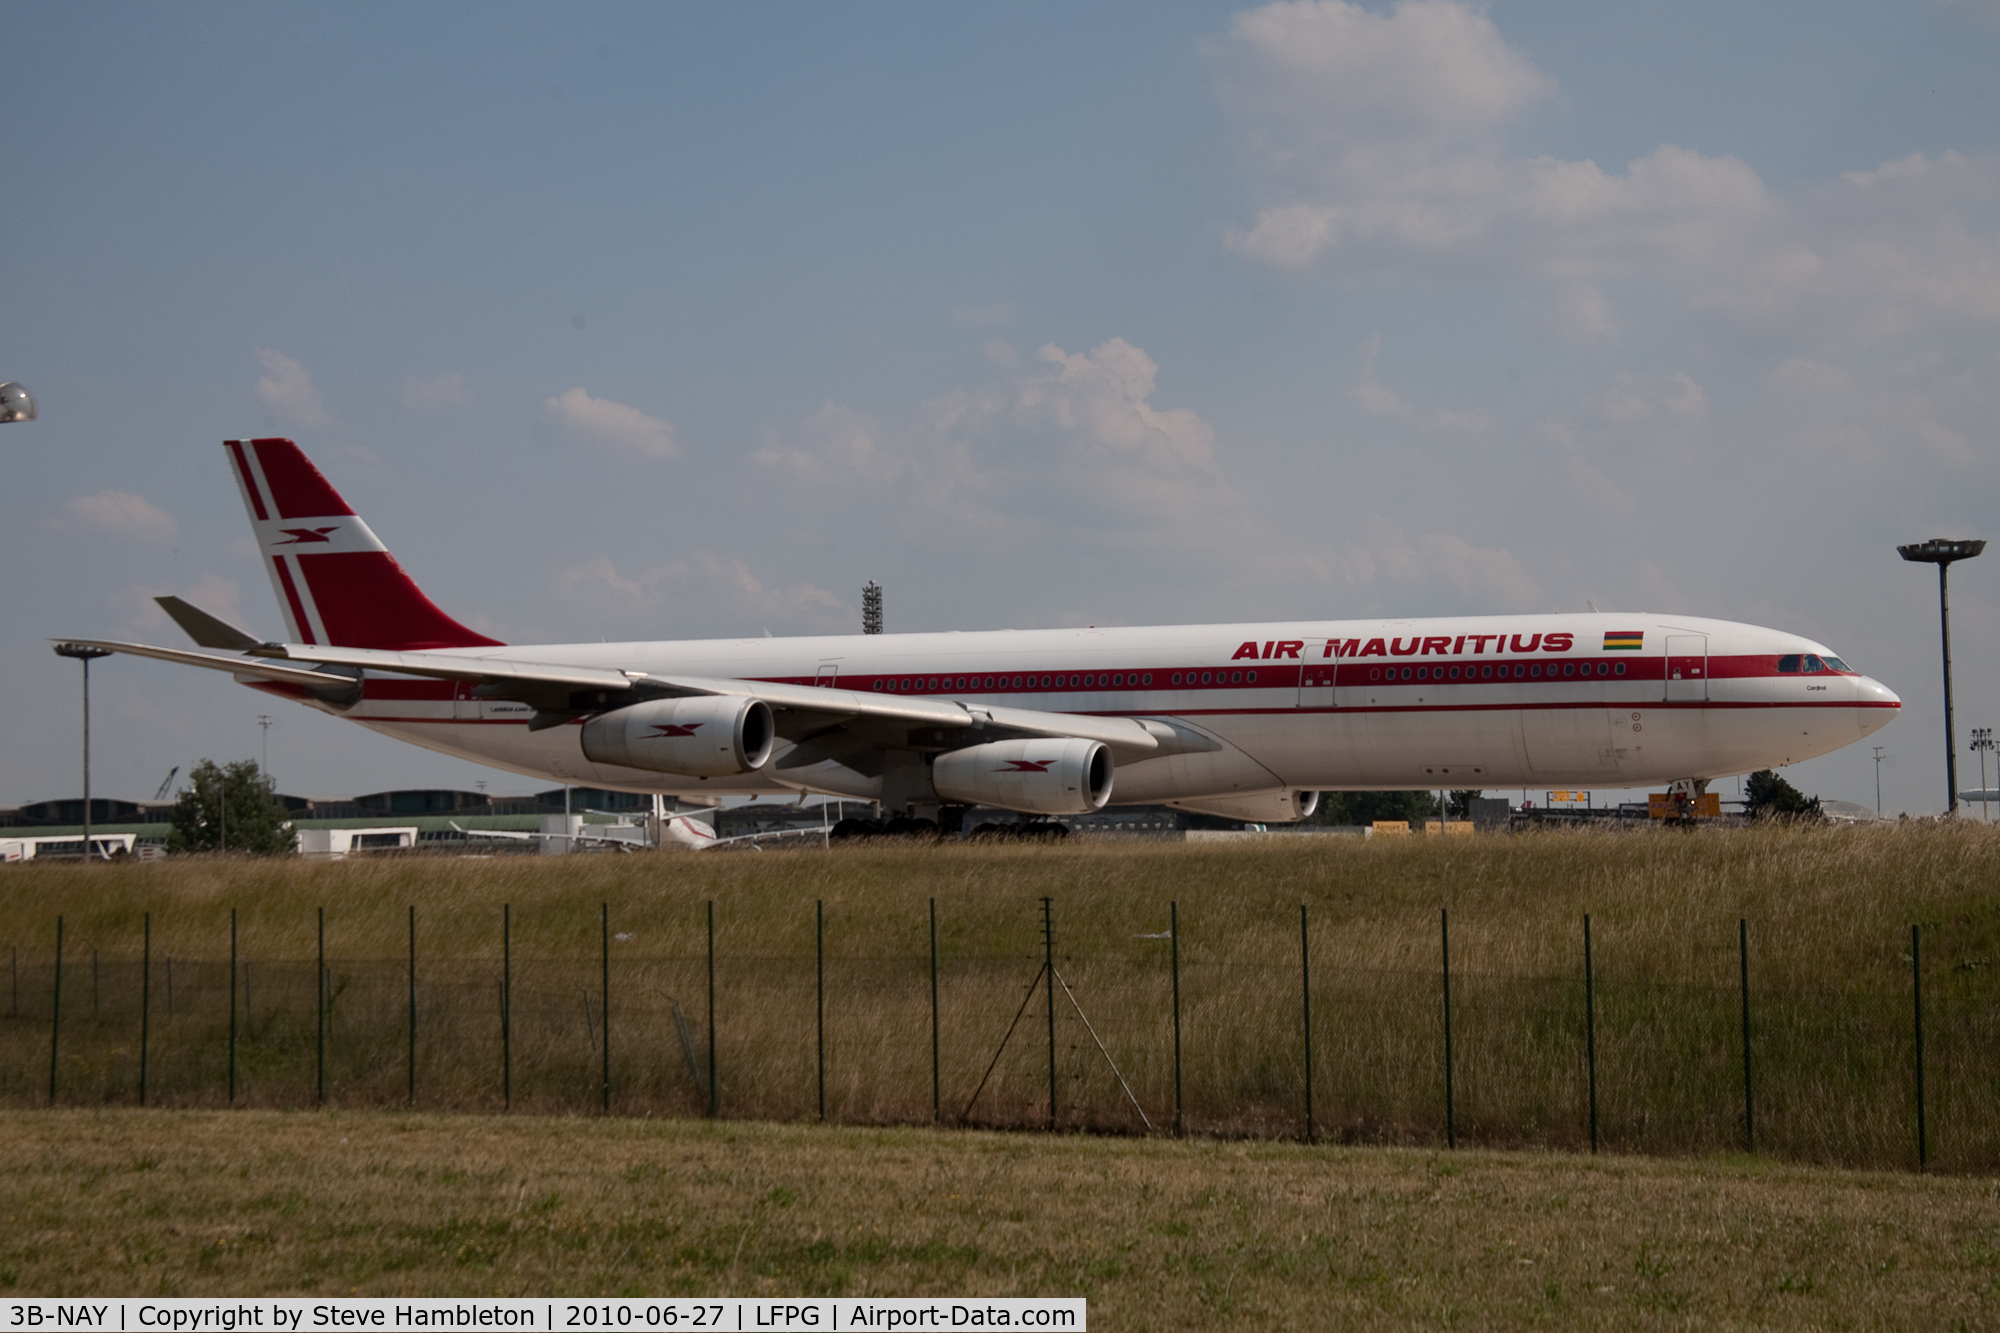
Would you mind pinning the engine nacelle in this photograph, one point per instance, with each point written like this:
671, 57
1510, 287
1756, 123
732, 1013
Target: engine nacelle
706, 737
1038, 777
1257, 807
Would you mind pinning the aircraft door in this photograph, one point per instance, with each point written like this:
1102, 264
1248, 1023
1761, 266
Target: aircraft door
1687, 667
1316, 684
829, 672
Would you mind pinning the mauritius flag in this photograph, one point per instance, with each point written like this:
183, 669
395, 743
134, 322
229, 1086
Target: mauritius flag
1624, 640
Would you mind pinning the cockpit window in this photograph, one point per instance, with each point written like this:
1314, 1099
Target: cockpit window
1813, 663
1789, 664
1835, 664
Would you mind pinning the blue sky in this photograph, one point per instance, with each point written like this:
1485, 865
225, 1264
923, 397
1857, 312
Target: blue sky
638, 321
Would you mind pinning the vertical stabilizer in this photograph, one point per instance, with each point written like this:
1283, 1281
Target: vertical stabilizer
336, 583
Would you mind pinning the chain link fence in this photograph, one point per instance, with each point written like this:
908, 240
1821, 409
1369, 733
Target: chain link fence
1149, 1034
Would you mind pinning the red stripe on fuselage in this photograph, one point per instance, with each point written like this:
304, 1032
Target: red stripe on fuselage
1344, 674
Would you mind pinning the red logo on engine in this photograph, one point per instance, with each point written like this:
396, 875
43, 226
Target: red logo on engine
1027, 766
300, 536
672, 731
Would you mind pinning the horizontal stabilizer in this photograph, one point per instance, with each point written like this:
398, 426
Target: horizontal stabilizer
206, 630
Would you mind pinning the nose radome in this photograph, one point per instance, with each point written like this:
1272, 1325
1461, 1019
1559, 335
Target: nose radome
1879, 705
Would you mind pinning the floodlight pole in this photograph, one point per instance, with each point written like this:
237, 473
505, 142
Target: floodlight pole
1878, 782
1941, 552
83, 652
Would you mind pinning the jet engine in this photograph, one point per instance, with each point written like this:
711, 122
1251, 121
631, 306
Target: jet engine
1261, 807
1042, 777
705, 737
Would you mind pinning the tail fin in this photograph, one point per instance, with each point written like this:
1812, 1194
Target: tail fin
336, 582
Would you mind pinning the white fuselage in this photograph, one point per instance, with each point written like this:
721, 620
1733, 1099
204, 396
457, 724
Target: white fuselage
1476, 702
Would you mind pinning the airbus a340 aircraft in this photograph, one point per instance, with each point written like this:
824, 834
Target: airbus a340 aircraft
1244, 721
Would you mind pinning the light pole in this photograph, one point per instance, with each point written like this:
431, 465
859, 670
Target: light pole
82, 652
1878, 782
264, 764
1982, 741
1942, 552
16, 403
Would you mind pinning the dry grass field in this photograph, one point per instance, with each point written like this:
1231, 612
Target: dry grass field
1157, 1233
1828, 912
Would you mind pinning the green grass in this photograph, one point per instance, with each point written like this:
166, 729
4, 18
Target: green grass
1829, 912
1156, 1234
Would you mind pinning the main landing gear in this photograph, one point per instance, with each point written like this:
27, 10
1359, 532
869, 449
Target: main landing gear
947, 827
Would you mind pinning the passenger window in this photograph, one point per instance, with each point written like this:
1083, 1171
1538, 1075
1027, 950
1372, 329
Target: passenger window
1789, 664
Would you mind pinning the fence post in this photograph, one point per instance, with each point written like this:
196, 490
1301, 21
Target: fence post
1174, 933
145, 1003
1590, 1029
1305, 980
55, 1020
714, 1092
1749, 1104
232, 1006
319, 1017
605, 1001
937, 1107
819, 958
507, 1006
1049, 967
1450, 1118
1917, 999
413, 1005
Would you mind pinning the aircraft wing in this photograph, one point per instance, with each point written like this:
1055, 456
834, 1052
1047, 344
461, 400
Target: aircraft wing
823, 723
827, 719
237, 666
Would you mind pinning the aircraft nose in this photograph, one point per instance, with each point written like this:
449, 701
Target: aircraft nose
1879, 705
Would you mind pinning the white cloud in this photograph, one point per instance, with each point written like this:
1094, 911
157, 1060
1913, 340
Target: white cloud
1626, 429
1072, 464
1801, 377
704, 588
119, 514
1376, 141
212, 593
1073, 435
837, 446
446, 391
286, 391
1378, 399
611, 425
1380, 553
1938, 409
1581, 315
1669, 400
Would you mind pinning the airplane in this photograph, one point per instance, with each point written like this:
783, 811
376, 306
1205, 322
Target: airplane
674, 831
1244, 721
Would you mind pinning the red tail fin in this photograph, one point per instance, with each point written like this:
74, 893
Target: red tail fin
335, 580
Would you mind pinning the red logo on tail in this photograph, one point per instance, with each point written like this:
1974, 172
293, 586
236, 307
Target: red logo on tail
300, 536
